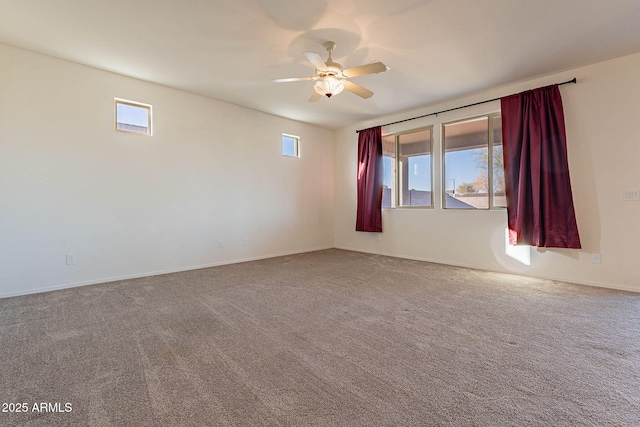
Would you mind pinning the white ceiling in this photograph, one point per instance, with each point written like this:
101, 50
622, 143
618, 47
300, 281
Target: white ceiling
230, 49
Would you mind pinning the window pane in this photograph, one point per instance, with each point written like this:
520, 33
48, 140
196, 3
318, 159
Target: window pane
133, 118
388, 171
499, 198
414, 162
290, 145
466, 164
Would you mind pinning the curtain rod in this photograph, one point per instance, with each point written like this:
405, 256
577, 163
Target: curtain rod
458, 108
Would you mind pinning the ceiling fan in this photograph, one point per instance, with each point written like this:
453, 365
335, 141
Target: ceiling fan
331, 79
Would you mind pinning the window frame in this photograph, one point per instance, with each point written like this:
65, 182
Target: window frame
296, 148
148, 107
396, 178
490, 171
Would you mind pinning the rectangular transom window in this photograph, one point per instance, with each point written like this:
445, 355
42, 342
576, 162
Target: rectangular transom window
473, 164
290, 145
133, 117
407, 166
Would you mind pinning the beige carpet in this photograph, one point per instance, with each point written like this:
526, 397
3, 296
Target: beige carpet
332, 338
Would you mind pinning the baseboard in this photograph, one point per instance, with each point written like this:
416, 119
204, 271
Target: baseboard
256, 258
152, 273
479, 267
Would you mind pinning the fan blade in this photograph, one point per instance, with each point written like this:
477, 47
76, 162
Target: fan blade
374, 67
293, 79
317, 62
315, 97
358, 90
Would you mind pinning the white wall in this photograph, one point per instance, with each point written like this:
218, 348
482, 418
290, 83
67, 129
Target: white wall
601, 112
130, 205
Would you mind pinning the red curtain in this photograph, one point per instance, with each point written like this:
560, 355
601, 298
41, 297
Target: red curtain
539, 200
369, 214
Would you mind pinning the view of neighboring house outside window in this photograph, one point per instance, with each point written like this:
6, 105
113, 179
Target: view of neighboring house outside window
473, 164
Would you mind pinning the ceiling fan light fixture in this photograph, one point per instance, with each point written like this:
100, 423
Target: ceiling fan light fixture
331, 79
329, 85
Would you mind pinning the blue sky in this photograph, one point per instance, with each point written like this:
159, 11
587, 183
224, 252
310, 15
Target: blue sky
288, 146
461, 166
132, 115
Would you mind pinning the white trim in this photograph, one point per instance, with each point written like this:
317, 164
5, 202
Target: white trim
152, 273
478, 267
241, 260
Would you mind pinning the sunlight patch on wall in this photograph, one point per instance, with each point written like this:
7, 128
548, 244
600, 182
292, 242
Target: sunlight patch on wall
521, 254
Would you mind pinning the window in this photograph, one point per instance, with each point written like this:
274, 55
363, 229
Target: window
473, 164
133, 117
388, 171
407, 165
290, 145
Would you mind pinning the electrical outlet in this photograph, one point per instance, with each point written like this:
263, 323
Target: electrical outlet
596, 259
246, 241
71, 259
633, 195
221, 244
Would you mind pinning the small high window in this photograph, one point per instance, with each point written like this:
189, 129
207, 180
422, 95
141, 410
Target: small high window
133, 117
290, 145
